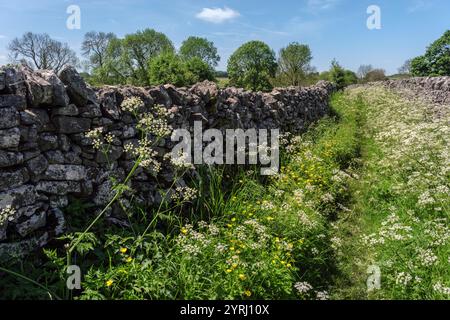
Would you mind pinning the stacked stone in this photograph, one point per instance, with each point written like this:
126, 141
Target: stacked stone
45, 156
433, 89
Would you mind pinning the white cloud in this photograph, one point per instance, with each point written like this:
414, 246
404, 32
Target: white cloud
2, 36
217, 15
321, 4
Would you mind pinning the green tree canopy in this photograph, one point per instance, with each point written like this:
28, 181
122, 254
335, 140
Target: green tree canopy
252, 66
127, 59
171, 68
195, 47
436, 61
294, 64
350, 77
168, 68
337, 74
200, 70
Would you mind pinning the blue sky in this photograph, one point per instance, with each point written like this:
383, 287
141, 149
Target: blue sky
332, 28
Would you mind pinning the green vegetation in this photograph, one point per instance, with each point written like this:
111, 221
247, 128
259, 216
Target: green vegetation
252, 66
294, 65
230, 235
195, 47
400, 208
365, 186
436, 61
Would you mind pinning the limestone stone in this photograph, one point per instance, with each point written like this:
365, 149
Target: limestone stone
9, 117
8, 159
70, 125
67, 172
9, 138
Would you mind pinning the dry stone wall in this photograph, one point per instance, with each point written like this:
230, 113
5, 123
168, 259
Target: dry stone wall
46, 158
431, 89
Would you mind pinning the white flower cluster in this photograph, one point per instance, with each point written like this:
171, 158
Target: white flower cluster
100, 141
146, 155
157, 126
403, 279
180, 162
391, 230
267, 205
132, 104
322, 295
97, 137
427, 257
184, 194
440, 288
7, 214
303, 287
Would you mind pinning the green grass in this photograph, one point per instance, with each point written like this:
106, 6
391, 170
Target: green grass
400, 210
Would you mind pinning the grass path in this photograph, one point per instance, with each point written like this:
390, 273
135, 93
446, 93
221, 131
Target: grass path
400, 212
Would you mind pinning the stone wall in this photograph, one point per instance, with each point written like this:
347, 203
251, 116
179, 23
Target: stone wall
45, 157
431, 89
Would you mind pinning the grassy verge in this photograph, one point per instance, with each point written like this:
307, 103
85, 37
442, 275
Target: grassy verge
243, 239
400, 211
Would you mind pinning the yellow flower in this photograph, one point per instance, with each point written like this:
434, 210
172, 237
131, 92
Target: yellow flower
242, 277
248, 293
129, 259
123, 250
233, 220
288, 265
232, 248
229, 270
109, 283
234, 265
184, 231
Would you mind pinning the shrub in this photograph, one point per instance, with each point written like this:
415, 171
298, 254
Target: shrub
252, 66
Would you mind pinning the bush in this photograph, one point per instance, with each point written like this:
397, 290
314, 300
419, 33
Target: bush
169, 68
252, 66
436, 61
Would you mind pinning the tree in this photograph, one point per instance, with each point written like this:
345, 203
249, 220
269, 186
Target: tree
127, 59
294, 64
42, 52
406, 67
169, 68
419, 67
195, 47
363, 70
436, 61
200, 70
350, 77
252, 66
95, 47
375, 75
337, 75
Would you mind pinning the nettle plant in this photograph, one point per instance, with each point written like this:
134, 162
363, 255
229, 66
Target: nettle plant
152, 127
